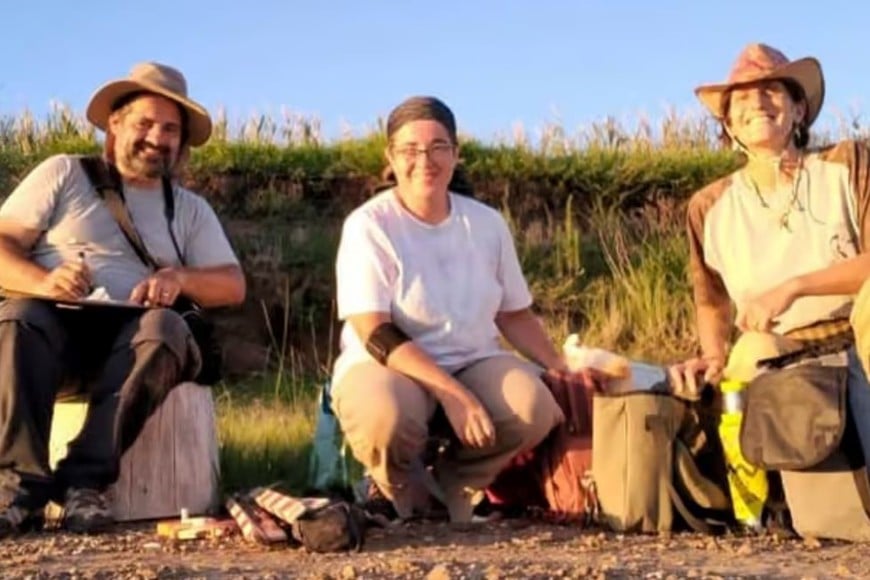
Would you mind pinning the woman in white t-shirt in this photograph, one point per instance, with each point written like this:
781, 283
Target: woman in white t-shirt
783, 239
428, 282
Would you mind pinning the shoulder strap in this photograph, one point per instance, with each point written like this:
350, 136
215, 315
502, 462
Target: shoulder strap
704, 526
105, 179
670, 479
169, 212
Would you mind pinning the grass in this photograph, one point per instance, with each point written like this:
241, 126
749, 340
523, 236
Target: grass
641, 306
263, 155
596, 215
266, 429
265, 426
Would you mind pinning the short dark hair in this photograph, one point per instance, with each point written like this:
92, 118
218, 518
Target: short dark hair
426, 108
422, 108
801, 136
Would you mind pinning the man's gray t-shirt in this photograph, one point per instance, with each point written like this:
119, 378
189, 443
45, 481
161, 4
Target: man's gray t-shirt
58, 199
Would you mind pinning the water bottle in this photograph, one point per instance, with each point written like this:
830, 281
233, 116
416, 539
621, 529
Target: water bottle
327, 465
748, 483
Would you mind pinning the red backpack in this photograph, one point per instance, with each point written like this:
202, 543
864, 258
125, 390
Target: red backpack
558, 477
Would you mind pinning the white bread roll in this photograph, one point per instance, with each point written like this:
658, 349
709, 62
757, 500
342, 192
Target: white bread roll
579, 357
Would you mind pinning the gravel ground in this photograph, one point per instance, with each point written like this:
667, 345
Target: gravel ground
436, 551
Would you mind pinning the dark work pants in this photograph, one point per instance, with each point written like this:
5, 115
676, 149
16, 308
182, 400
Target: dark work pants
124, 361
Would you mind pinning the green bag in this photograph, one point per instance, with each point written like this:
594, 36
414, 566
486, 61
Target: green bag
658, 464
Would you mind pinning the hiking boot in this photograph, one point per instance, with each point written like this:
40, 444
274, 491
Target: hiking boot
405, 506
16, 519
20, 512
85, 511
373, 500
460, 504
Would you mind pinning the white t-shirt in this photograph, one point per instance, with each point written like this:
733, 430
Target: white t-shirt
442, 284
57, 199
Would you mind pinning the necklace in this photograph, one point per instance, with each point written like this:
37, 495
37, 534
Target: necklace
793, 201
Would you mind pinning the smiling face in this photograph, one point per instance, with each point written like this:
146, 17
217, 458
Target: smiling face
422, 156
147, 136
764, 115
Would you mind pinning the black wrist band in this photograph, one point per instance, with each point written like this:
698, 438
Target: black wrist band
384, 340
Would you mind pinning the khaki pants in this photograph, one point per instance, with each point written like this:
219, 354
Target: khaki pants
386, 419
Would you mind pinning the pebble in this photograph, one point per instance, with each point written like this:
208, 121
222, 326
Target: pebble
439, 572
745, 550
812, 543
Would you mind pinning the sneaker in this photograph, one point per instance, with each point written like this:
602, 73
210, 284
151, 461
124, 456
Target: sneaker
461, 503
16, 519
17, 511
85, 511
404, 507
373, 501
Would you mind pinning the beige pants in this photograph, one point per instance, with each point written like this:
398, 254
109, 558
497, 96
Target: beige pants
386, 419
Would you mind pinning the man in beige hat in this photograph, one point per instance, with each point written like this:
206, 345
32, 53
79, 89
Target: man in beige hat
137, 239
784, 238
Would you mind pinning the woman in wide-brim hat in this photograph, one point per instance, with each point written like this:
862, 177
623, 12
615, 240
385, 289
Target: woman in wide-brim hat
783, 237
759, 63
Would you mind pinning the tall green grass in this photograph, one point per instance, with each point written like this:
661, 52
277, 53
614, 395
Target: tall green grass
641, 305
618, 279
264, 154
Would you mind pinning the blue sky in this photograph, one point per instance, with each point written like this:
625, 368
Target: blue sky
495, 63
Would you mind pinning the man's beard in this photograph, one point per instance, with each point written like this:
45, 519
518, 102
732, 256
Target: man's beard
148, 166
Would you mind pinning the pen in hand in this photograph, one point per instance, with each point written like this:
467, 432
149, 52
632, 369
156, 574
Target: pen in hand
83, 262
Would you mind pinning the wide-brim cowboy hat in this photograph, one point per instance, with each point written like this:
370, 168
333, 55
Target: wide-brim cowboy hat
154, 78
759, 62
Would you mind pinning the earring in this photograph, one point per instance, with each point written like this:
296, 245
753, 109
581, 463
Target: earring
800, 133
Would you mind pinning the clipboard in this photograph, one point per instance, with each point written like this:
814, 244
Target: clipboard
86, 303
80, 304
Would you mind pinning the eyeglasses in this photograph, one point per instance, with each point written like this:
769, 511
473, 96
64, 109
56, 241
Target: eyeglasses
438, 152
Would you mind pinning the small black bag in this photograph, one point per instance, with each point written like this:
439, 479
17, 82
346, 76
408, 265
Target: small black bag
337, 527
